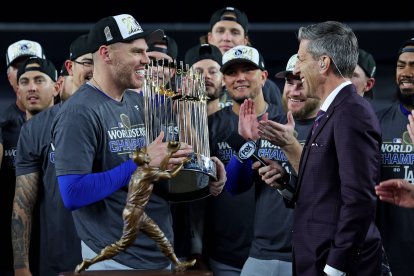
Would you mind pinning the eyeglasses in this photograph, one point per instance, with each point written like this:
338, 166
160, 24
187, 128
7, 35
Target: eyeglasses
84, 63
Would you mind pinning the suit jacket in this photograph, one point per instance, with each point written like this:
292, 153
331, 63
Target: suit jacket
334, 218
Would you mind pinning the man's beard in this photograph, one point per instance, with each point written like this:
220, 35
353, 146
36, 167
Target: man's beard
240, 100
406, 99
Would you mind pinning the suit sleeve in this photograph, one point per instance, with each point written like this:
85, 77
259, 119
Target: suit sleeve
357, 140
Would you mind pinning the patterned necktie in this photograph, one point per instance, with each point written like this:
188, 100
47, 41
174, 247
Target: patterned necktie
319, 116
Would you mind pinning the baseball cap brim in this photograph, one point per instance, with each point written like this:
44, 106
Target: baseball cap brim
236, 61
282, 74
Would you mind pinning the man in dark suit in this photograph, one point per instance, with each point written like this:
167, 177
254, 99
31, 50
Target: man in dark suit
334, 230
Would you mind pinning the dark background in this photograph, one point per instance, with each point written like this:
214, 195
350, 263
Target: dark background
272, 30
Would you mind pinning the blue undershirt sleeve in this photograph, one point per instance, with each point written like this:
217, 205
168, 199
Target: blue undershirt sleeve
239, 175
79, 190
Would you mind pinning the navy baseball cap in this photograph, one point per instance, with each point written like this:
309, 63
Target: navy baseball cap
223, 14
79, 47
42, 65
203, 51
171, 50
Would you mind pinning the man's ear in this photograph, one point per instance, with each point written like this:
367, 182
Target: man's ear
370, 84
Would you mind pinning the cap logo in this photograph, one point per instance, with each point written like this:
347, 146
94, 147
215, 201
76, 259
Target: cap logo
243, 52
108, 34
127, 25
291, 63
24, 48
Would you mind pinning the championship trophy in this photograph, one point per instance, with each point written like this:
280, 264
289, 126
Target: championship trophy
175, 100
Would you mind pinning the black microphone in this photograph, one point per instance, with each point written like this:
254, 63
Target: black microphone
247, 150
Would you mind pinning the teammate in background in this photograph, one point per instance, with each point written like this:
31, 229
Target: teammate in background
79, 65
230, 218
396, 223
364, 74
229, 27
11, 120
35, 169
65, 83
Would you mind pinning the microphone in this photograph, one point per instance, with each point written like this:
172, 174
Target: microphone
247, 150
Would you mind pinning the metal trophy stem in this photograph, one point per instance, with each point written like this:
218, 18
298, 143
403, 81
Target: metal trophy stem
175, 101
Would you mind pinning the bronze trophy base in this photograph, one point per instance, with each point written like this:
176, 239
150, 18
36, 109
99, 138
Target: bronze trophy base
139, 273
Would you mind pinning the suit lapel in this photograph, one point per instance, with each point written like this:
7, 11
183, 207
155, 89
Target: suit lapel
311, 138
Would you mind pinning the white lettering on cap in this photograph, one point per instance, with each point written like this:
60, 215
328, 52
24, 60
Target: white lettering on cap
24, 47
127, 25
291, 63
242, 52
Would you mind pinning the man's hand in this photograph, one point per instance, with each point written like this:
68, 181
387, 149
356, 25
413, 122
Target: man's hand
216, 187
248, 123
396, 191
158, 149
270, 173
278, 134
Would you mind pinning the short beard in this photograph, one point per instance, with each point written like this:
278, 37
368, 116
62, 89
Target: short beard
240, 101
406, 99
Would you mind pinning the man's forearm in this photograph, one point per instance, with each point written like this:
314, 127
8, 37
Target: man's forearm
25, 197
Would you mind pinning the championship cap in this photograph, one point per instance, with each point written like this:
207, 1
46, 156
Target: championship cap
290, 66
23, 48
242, 54
119, 28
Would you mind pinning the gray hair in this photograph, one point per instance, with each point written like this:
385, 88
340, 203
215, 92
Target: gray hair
334, 39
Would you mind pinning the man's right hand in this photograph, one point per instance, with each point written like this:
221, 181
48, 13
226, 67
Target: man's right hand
158, 149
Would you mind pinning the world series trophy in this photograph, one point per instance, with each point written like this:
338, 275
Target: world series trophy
175, 100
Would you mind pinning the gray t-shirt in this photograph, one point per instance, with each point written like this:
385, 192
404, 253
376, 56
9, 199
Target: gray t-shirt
94, 133
58, 236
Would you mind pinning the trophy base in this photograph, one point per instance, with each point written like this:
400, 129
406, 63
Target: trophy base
191, 183
139, 273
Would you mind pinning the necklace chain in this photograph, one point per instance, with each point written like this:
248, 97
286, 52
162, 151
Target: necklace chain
97, 84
